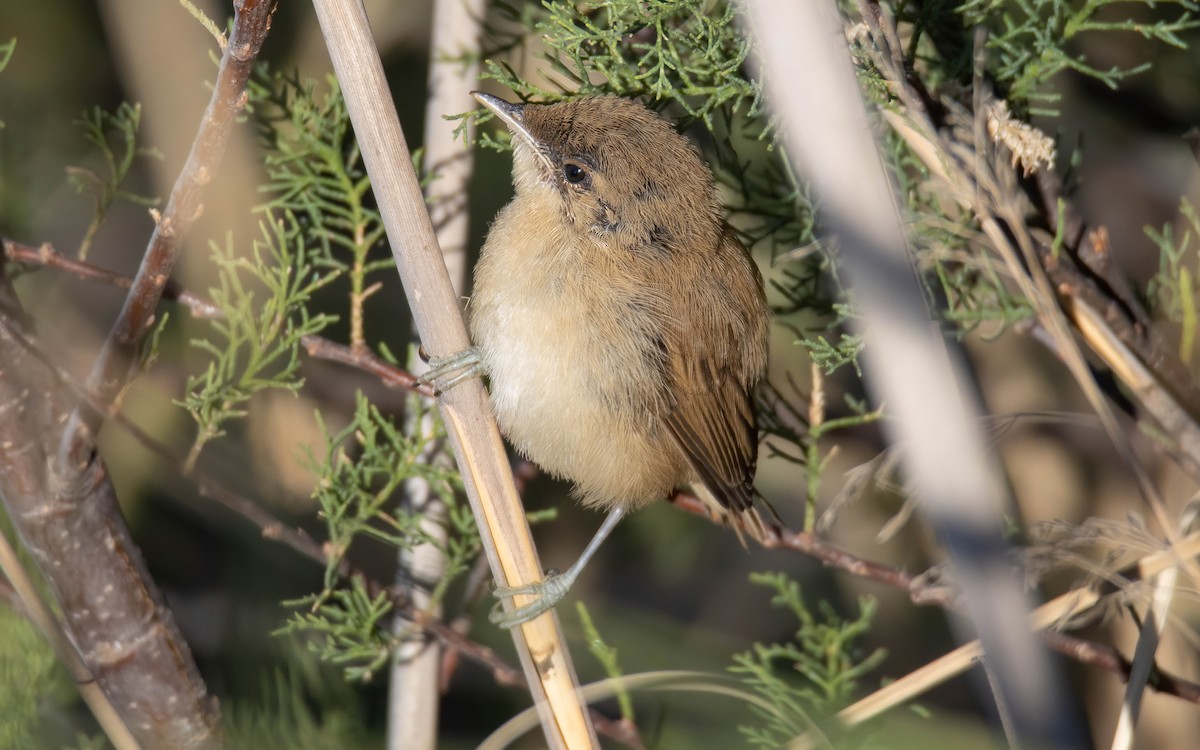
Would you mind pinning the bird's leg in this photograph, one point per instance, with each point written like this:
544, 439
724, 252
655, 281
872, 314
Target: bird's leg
552, 590
446, 372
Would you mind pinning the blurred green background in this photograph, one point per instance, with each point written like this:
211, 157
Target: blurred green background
668, 590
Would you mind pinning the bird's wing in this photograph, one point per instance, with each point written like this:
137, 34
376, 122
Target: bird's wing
713, 362
713, 423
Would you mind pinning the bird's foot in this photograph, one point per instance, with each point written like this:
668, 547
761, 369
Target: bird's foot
446, 372
548, 593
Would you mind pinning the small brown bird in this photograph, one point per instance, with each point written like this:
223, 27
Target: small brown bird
621, 322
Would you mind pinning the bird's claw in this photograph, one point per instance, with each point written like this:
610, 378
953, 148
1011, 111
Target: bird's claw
548, 593
446, 372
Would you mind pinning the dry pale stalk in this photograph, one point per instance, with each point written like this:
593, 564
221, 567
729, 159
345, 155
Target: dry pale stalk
811, 85
504, 532
413, 688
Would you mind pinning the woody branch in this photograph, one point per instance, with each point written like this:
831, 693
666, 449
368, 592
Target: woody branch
64, 506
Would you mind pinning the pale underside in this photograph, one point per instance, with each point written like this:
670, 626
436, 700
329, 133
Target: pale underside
559, 376
577, 369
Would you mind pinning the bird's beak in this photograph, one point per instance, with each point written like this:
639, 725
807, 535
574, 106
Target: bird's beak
513, 116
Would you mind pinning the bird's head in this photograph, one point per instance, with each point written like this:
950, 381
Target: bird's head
622, 172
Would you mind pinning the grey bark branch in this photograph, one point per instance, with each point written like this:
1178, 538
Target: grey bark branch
57, 490
114, 615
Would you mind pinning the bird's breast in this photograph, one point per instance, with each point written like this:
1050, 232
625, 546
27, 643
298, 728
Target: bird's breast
572, 360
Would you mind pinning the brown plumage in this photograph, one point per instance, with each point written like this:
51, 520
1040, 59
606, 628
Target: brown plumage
622, 323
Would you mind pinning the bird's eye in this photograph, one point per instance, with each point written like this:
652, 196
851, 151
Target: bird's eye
574, 173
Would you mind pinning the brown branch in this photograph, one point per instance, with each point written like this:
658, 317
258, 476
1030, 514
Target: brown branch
367, 361
1107, 657
45, 255
111, 370
58, 492
776, 536
200, 307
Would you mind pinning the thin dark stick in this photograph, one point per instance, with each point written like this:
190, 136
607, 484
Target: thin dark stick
367, 361
1107, 657
317, 347
922, 593
46, 255
776, 536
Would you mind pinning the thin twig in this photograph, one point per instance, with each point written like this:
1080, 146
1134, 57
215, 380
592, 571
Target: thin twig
920, 591
1059, 610
367, 361
1108, 658
200, 307
46, 255
776, 536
